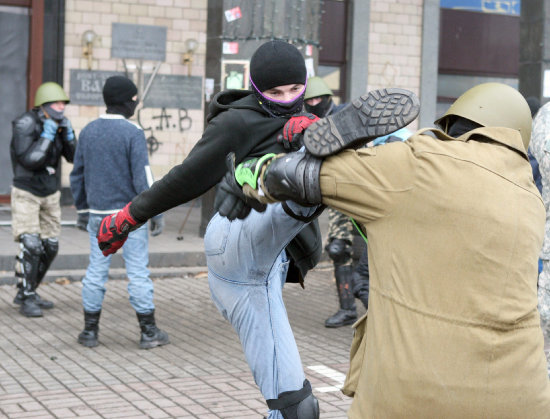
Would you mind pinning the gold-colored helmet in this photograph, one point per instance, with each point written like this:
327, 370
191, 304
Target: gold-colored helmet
492, 105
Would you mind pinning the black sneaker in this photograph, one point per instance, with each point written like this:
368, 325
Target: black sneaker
373, 115
45, 304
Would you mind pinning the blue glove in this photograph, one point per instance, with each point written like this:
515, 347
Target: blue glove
156, 225
49, 130
66, 124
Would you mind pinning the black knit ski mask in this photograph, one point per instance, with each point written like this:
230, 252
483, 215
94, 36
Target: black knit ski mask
277, 63
323, 108
118, 92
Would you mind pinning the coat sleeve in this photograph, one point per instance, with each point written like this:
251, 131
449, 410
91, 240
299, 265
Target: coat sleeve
30, 152
201, 170
367, 184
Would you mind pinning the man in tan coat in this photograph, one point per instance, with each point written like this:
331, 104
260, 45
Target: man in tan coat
455, 225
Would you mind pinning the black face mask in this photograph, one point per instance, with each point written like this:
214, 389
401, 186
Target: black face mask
460, 126
125, 109
322, 109
280, 109
57, 115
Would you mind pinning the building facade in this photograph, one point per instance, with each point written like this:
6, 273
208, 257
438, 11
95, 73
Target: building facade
181, 52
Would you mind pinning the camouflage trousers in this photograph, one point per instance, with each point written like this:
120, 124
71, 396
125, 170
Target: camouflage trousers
33, 214
339, 226
544, 291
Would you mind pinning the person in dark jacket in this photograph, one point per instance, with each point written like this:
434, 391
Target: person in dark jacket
41, 136
248, 124
102, 183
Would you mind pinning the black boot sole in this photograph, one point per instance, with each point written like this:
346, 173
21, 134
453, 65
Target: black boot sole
378, 113
153, 344
344, 323
88, 344
43, 304
88, 338
30, 314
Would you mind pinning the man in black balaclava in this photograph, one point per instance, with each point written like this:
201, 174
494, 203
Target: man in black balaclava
111, 166
120, 96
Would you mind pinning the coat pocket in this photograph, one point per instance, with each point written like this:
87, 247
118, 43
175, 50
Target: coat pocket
357, 356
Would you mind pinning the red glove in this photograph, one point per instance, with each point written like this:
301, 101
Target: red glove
296, 125
114, 230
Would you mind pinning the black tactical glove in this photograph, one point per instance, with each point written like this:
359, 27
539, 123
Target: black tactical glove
230, 200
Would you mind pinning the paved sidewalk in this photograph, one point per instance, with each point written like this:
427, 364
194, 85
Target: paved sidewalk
45, 373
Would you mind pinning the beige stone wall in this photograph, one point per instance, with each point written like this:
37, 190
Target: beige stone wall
183, 19
394, 56
395, 39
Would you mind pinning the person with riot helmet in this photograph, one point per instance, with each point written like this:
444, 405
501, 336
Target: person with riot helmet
453, 328
103, 182
249, 124
318, 101
41, 136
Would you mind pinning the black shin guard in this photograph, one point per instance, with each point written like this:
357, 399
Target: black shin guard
31, 251
51, 247
298, 404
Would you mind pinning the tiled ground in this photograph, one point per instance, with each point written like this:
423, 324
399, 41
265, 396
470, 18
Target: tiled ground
45, 373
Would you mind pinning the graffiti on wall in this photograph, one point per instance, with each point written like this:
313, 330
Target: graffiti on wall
152, 120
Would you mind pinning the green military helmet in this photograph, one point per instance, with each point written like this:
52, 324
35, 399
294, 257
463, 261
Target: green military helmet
50, 92
493, 105
316, 87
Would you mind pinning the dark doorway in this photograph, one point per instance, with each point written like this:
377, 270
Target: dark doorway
14, 55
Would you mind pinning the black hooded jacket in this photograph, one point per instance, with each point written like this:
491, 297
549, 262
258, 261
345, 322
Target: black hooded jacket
237, 123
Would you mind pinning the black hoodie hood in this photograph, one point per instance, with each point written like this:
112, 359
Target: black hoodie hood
233, 99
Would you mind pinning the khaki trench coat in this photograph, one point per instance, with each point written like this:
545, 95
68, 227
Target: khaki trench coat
455, 227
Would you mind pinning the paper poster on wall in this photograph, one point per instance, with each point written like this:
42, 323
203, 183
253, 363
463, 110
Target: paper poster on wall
310, 67
235, 74
233, 14
230, 48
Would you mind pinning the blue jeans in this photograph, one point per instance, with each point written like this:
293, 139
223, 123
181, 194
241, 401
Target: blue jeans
247, 267
136, 258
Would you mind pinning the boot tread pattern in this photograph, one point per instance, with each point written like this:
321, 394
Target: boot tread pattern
377, 113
